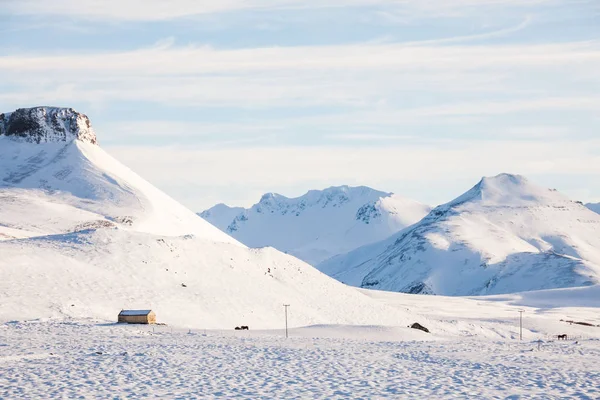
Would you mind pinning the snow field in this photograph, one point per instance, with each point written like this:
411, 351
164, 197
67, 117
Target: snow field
139, 363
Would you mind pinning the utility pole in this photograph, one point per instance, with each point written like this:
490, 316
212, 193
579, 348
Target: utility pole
286, 324
521, 324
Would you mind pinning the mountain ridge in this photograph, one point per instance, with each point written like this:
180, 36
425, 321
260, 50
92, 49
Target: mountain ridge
480, 242
320, 223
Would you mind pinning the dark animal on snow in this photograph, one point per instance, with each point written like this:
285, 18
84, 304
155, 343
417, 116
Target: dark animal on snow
562, 337
420, 327
183, 285
242, 328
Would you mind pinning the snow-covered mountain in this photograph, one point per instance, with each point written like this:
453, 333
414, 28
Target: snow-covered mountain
594, 207
54, 178
504, 235
319, 224
84, 236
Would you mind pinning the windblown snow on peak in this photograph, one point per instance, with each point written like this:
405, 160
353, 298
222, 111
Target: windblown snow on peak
319, 224
47, 124
503, 235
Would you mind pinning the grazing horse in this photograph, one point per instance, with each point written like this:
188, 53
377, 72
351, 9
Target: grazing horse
562, 337
242, 328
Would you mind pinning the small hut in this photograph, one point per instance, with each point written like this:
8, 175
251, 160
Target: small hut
137, 316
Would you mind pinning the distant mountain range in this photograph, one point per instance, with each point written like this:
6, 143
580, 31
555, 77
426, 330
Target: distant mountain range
504, 235
319, 224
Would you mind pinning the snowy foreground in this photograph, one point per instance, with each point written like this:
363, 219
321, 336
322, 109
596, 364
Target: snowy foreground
83, 359
473, 351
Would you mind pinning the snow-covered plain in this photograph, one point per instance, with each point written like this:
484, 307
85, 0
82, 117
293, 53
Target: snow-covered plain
74, 358
319, 224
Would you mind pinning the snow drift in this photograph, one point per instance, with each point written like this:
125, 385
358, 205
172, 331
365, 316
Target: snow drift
504, 235
319, 224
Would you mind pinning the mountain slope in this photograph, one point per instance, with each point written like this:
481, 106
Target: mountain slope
504, 235
96, 273
58, 180
594, 207
319, 224
85, 236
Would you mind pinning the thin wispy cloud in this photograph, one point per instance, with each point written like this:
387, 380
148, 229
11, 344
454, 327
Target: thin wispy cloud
351, 75
366, 137
165, 59
153, 10
479, 36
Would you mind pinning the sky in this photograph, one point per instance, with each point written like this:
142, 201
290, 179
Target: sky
222, 101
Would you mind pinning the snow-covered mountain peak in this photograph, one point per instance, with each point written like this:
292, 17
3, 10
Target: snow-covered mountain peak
52, 167
268, 197
344, 193
505, 234
271, 201
508, 190
333, 196
47, 124
320, 223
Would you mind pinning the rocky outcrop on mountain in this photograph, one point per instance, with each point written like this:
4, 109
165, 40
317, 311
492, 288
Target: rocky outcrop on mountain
47, 124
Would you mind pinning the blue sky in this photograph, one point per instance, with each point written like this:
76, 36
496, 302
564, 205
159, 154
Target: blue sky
223, 101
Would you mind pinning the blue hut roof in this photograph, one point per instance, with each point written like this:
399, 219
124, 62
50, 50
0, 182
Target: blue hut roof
135, 312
